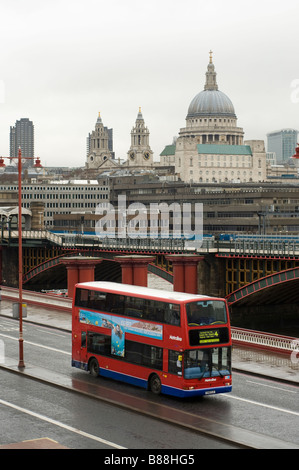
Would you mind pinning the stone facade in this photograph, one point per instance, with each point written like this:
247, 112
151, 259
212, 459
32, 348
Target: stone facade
221, 163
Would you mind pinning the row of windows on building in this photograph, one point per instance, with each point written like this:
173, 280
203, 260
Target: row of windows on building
230, 214
224, 164
242, 163
64, 196
224, 180
224, 158
57, 189
213, 120
225, 173
67, 205
236, 158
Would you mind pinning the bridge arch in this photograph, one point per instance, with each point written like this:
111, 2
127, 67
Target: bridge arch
268, 304
52, 273
275, 288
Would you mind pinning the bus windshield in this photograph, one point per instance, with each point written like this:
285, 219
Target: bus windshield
211, 362
206, 312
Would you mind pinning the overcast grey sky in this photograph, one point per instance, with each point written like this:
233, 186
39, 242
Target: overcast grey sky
63, 61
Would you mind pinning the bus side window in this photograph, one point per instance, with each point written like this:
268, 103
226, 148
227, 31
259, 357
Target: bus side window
115, 303
160, 315
134, 307
83, 339
97, 300
172, 315
81, 298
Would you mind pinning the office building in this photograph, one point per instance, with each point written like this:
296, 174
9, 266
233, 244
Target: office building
283, 143
61, 196
22, 135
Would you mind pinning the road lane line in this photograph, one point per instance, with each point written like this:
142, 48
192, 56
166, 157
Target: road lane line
61, 425
256, 403
37, 344
272, 386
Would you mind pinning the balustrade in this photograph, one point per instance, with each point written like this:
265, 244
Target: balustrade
265, 340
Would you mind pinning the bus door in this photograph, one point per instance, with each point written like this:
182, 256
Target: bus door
83, 352
175, 362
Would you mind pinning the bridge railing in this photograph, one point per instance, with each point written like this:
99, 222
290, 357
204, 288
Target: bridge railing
33, 235
145, 243
266, 247
259, 339
254, 245
149, 244
44, 234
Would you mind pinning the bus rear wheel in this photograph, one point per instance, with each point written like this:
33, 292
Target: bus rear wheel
94, 367
155, 384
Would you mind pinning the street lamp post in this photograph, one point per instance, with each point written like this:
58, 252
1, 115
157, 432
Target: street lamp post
21, 340
37, 167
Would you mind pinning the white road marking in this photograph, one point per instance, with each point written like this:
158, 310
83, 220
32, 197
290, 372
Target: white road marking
283, 410
61, 425
8, 326
271, 386
45, 329
38, 345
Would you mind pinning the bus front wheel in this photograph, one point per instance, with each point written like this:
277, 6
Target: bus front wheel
155, 384
94, 367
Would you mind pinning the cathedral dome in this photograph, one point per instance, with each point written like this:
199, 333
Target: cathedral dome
211, 101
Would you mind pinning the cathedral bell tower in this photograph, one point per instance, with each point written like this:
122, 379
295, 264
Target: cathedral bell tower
140, 153
99, 145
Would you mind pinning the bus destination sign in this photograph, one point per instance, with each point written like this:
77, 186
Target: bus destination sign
204, 337
208, 336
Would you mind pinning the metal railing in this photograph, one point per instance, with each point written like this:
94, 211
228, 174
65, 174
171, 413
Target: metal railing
262, 340
171, 244
267, 247
33, 235
242, 245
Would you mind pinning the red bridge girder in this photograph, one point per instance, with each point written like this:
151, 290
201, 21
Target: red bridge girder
275, 288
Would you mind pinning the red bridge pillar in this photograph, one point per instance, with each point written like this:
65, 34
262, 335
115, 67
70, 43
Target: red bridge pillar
127, 275
184, 272
178, 272
79, 269
134, 269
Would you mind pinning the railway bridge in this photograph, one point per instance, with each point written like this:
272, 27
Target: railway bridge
258, 275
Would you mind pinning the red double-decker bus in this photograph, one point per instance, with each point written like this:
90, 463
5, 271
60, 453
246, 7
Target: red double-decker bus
167, 342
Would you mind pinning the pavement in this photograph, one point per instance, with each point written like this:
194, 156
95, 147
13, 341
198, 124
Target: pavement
38, 444
284, 367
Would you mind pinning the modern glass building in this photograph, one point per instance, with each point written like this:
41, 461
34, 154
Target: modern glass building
283, 143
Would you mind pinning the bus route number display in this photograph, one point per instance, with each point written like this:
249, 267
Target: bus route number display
210, 336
